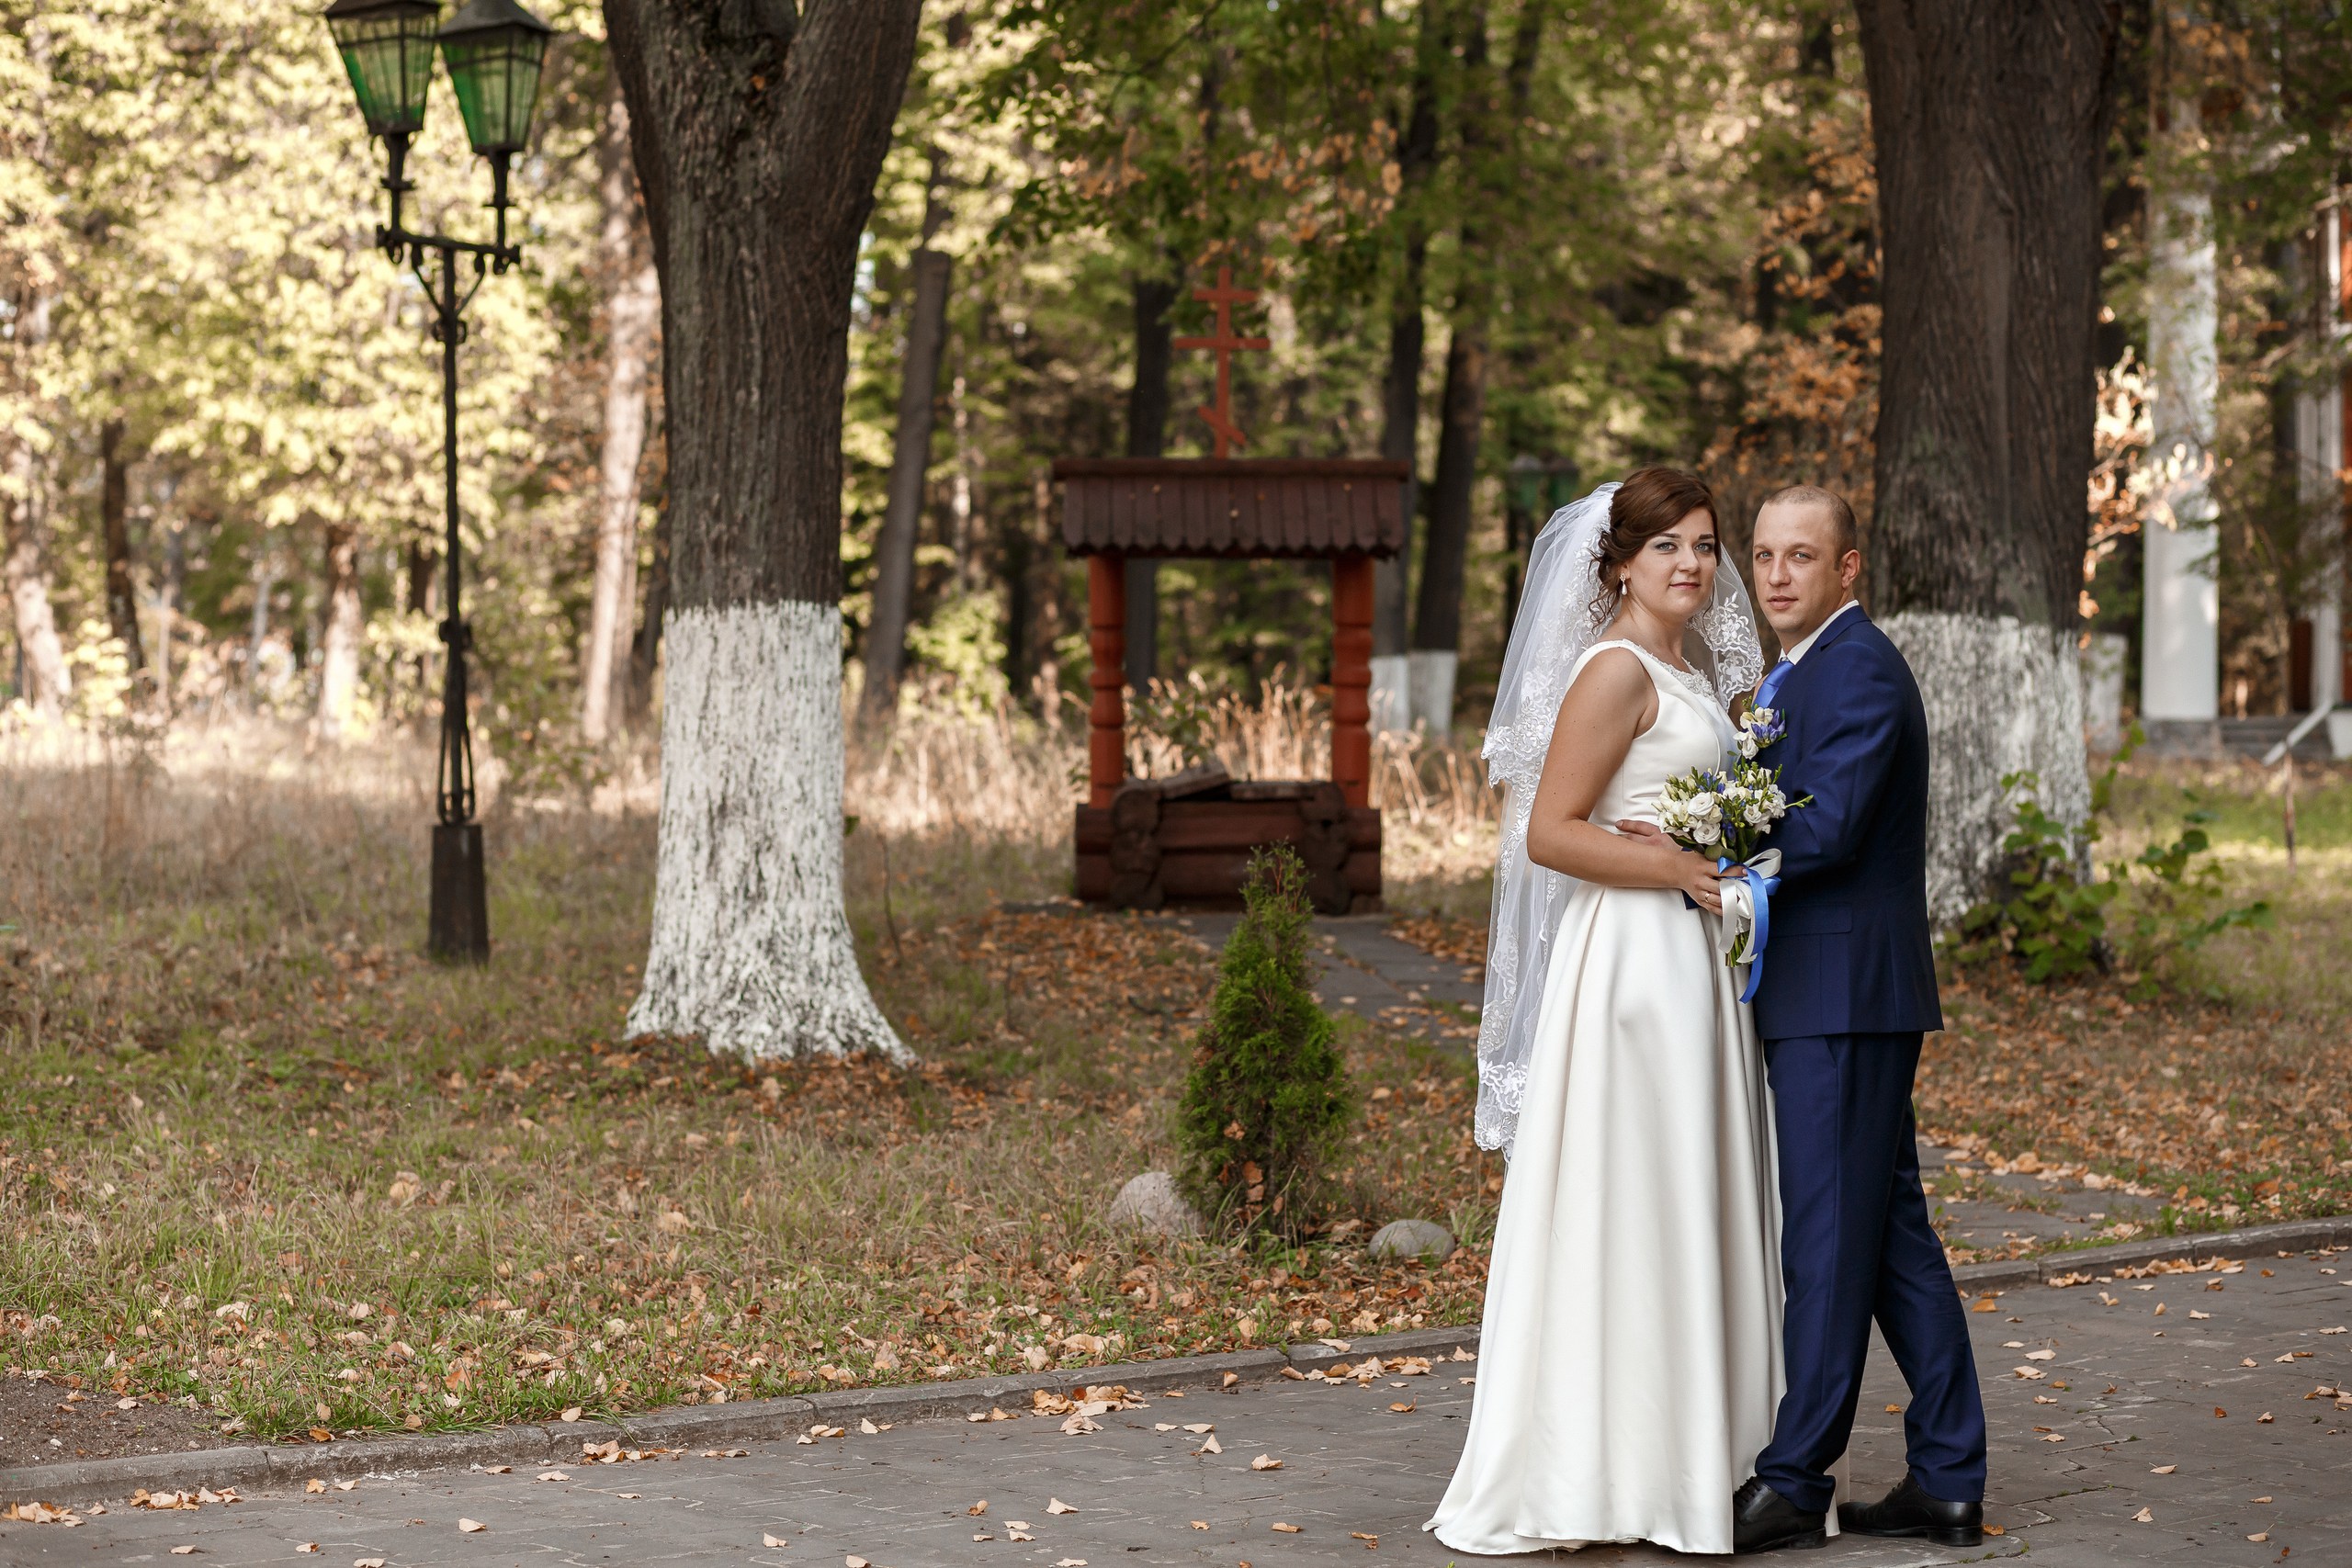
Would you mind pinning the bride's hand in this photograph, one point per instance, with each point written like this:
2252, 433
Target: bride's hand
1689, 872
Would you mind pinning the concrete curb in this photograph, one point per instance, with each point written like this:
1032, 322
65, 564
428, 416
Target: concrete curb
2287, 1235
703, 1426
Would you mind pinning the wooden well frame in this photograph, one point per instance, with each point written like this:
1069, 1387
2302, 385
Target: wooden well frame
1146, 843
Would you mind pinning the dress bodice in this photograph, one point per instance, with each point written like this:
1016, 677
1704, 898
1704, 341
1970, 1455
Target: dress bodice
1690, 732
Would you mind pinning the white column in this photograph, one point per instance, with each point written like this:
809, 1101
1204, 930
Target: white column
2180, 640
2319, 441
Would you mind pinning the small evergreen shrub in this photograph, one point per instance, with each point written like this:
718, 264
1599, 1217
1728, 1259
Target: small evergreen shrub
1267, 1102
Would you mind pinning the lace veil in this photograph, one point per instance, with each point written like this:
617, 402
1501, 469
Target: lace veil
1554, 628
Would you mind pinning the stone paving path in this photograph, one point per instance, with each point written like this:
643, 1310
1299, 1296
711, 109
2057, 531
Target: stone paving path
2170, 1424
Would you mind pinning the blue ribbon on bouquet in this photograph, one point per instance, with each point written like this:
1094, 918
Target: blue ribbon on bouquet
1762, 880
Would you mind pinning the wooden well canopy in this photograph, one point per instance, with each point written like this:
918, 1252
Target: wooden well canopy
1146, 842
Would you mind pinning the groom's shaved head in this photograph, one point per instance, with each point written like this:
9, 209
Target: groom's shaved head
1849, 535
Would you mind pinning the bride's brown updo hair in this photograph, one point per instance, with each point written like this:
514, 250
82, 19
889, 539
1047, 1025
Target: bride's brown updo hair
1650, 502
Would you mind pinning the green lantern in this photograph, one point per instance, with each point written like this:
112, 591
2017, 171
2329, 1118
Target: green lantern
387, 49
495, 50
1566, 480
1524, 483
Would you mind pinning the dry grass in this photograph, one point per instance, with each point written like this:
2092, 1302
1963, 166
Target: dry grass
1010, 779
227, 1077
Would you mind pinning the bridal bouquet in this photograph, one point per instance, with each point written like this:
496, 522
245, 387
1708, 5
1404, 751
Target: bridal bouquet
1724, 812
1728, 812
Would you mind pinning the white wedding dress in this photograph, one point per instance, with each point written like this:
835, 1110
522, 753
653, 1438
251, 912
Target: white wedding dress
1629, 1361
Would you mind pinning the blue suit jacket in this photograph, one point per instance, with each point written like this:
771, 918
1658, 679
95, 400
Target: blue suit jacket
1850, 949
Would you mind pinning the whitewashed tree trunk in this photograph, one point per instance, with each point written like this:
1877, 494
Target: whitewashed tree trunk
2003, 696
756, 143
48, 681
1988, 120
2180, 629
339, 644
750, 949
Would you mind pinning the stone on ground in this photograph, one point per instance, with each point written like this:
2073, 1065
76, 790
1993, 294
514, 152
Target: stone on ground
1150, 1203
1412, 1238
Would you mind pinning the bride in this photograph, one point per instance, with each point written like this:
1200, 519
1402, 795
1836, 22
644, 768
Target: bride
1629, 1361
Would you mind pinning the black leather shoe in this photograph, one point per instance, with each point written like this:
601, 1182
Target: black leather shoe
1763, 1520
1908, 1511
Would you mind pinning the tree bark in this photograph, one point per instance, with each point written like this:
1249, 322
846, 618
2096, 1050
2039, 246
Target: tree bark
631, 315
1989, 117
1147, 437
24, 564
339, 639
893, 548
1391, 698
114, 506
1437, 621
758, 128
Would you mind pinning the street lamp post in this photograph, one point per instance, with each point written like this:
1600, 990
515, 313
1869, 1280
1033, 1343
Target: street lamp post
494, 49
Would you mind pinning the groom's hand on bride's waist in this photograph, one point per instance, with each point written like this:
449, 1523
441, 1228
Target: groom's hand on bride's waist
1650, 832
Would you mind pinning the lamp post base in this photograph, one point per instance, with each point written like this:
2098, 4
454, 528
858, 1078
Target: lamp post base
460, 922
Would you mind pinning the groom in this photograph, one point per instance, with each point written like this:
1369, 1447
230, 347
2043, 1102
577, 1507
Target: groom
1849, 988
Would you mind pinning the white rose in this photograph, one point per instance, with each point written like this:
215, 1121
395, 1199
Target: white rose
1705, 807
1706, 832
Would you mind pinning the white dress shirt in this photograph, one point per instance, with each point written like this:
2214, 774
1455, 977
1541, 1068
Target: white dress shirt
1804, 644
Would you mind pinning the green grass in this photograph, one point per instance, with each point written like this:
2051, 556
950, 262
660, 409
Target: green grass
237, 1106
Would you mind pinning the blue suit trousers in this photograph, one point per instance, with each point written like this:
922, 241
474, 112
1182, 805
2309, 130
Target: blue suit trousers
1856, 1245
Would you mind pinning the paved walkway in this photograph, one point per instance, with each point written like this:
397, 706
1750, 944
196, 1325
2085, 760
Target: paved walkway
2170, 1424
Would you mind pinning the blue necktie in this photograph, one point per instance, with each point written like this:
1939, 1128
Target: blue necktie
1770, 689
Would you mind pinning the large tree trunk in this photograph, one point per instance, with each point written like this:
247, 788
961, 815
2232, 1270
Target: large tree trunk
1486, 148
759, 128
631, 315
893, 548
24, 563
339, 639
1400, 426
1147, 437
2180, 646
114, 507
1437, 619
1989, 118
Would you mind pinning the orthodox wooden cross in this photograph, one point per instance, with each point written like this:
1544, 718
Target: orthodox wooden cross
1224, 344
